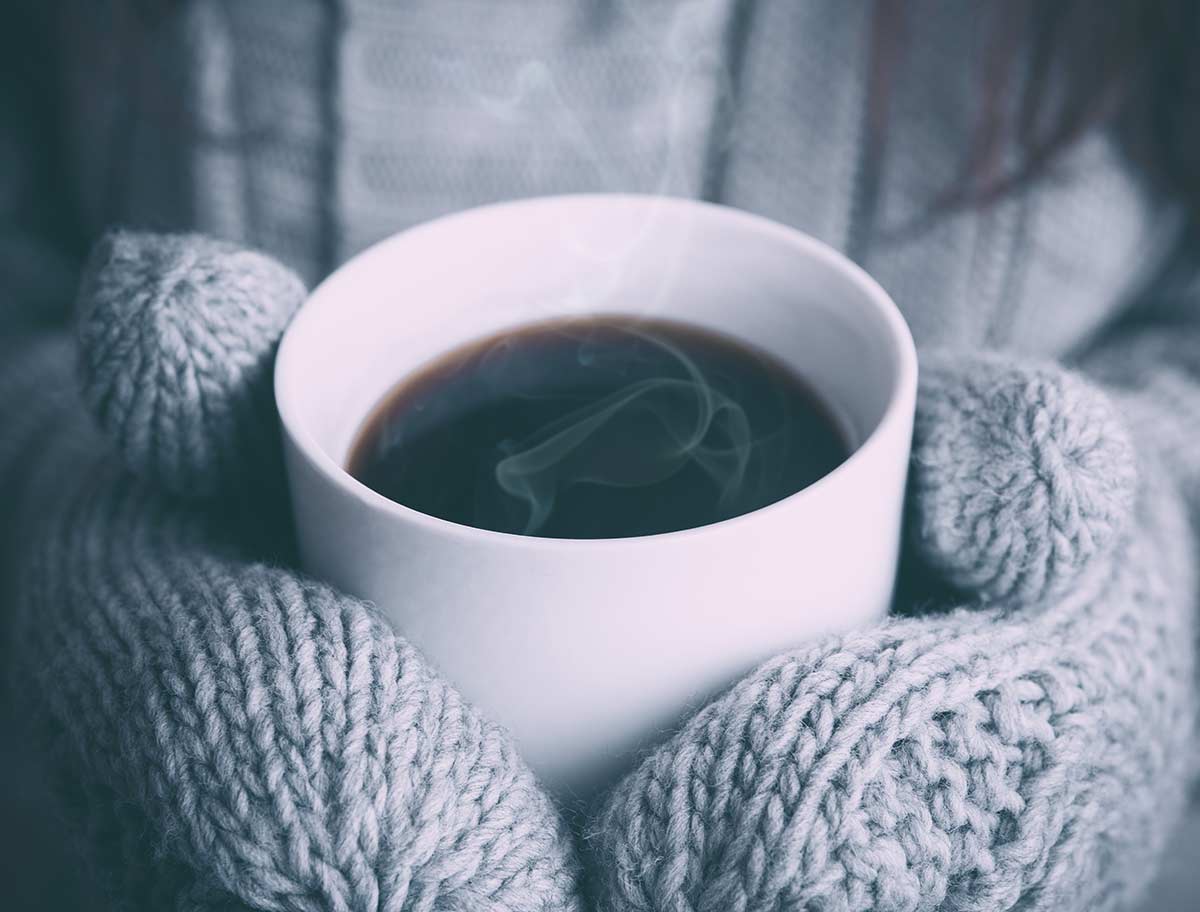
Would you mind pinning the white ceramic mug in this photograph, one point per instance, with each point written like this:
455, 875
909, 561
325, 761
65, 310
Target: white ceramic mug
589, 650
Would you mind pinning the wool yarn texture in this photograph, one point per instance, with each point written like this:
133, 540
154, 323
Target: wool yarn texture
171, 360
228, 734
1010, 757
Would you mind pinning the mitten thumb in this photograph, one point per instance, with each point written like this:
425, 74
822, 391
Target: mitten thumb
177, 335
1021, 473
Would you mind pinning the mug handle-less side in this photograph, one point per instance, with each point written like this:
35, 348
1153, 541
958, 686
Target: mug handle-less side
590, 650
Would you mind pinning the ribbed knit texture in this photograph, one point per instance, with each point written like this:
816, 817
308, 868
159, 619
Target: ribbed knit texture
312, 128
227, 735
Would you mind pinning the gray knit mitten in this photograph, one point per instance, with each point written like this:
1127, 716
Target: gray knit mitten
1028, 749
238, 737
227, 734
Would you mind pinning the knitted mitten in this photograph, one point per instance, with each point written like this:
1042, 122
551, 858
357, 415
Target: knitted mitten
240, 737
1028, 749
227, 734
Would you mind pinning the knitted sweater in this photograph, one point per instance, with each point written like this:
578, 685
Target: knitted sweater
229, 735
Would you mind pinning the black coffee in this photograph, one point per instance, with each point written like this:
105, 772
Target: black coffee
605, 427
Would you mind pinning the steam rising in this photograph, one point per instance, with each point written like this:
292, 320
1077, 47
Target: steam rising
602, 427
671, 422
652, 428
546, 111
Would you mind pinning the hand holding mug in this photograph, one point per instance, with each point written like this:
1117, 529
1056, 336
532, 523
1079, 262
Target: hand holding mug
951, 473
589, 649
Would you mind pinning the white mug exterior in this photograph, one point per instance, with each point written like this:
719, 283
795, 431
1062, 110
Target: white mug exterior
589, 650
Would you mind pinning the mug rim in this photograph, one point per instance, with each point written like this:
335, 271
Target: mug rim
899, 335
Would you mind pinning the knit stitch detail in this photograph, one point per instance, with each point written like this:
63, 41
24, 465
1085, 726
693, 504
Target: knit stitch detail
177, 335
278, 744
254, 739
976, 760
1022, 473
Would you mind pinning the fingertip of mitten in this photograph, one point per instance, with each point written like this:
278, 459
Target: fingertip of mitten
177, 334
1021, 473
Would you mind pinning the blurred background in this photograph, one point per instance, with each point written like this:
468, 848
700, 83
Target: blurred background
238, 118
